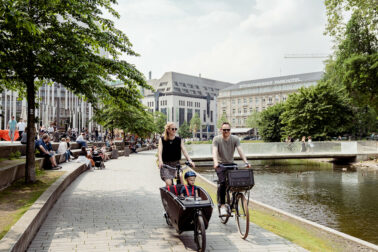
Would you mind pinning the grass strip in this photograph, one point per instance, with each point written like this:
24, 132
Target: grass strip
283, 227
16, 199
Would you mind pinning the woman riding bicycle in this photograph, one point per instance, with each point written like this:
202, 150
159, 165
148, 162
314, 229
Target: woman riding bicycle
169, 153
223, 153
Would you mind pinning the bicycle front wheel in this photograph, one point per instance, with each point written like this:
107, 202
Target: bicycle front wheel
242, 215
200, 234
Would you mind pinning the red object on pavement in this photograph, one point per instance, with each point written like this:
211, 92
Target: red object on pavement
4, 135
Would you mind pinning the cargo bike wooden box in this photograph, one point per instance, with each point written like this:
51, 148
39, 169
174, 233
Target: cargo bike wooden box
188, 214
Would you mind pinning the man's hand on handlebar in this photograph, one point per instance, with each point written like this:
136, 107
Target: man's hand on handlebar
247, 165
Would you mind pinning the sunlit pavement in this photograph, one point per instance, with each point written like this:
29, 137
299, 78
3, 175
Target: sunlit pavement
119, 209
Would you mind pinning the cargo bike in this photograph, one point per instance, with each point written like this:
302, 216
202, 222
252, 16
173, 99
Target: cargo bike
238, 182
187, 213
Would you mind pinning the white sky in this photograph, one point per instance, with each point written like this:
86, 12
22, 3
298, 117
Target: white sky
222, 39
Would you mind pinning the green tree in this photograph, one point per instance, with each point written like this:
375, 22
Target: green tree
130, 119
253, 121
195, 124
184, 131
221, 120
357, 62
337, 10
60, 41
322, 111
160, 121
269, 123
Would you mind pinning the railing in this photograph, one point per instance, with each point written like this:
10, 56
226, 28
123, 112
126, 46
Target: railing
327, 147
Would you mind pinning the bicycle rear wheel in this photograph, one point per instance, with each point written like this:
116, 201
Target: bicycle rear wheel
242, 215
200, 234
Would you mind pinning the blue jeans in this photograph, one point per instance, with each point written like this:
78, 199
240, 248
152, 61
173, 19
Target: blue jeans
82, 143
67, 154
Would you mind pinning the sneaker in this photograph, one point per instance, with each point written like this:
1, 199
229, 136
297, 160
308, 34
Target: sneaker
223, 211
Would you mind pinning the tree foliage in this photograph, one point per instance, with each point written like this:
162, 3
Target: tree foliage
270, 126
160, 121
184, 131
337, 10
357, 62
130, 119
195, 124
221, 120
322, 111
60, 41
253, 120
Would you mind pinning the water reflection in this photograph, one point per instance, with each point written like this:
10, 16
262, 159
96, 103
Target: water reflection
336, 196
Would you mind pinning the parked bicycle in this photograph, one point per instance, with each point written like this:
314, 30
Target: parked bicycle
238, 186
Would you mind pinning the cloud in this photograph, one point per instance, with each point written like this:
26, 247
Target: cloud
222, 40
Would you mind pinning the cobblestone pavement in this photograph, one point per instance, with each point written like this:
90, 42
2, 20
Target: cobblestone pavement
119, 209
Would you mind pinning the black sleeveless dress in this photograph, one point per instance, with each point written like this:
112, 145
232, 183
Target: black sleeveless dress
171, 156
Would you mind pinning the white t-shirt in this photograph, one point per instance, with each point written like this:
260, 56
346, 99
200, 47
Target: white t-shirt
50, 129
21, 126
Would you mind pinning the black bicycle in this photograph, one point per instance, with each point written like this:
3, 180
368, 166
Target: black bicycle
238, 186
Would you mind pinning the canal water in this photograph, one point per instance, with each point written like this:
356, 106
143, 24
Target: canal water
336, 196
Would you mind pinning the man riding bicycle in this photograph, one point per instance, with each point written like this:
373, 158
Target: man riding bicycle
223, 153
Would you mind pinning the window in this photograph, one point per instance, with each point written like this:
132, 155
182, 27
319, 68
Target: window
197, 86
223, 111
176, 84
182, 84
250, 99
245, 111
270, 99
239, 101
189, 115
205, 88
168, 89
233, 120
239, 111
199, 92
185, 90
233, 101
284, 98
204, 115
245, 100
257, 99
239, 122
163, 84
211, 116
177, 89
233, 111
263, 99
192, 91
277, 98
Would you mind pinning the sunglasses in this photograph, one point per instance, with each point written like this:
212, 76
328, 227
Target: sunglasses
226, 130
173, 128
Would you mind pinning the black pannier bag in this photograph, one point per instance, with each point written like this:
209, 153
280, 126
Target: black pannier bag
240, 180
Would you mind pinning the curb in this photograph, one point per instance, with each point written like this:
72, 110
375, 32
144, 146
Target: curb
345, 241
22, 233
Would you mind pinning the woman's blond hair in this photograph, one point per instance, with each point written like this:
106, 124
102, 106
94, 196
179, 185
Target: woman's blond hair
166, 127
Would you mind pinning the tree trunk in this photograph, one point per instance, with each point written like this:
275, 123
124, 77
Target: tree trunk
30, 158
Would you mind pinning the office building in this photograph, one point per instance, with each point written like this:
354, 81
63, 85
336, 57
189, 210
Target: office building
240, 100
180, 96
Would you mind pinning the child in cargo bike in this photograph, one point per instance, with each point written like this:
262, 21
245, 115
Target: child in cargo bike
189, 190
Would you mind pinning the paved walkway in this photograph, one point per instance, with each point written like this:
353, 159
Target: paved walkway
119, 209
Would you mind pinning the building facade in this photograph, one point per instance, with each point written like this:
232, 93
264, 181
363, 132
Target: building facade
55, 105
240, 100
180, 96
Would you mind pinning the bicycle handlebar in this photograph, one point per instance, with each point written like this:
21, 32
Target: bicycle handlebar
231, 166
178, 167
